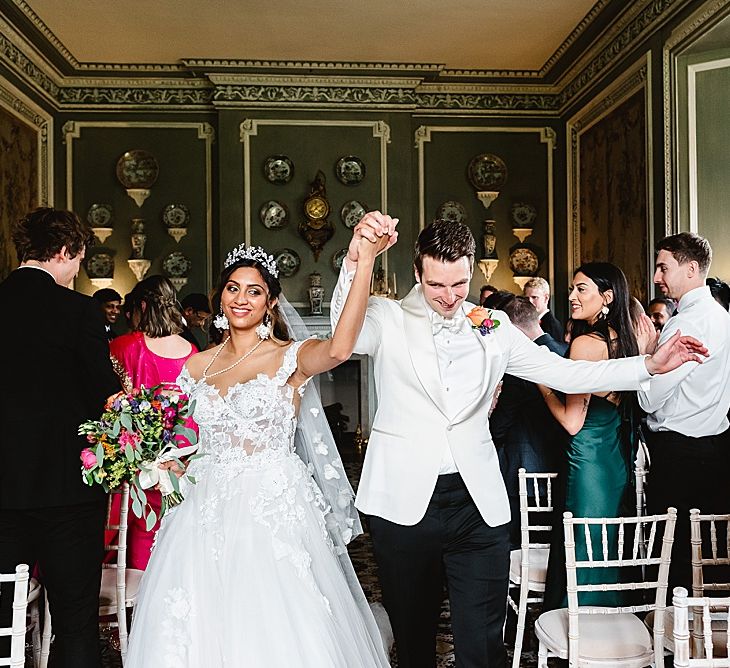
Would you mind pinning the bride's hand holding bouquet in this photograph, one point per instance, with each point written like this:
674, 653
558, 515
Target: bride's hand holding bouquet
141, 439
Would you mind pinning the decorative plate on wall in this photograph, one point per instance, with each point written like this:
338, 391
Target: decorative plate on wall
176, 265
100, 265
487, 172
287, 261
452, 211
278, 169
176, 215
137, 169
523, 214
274, 215
100, 215
350, 170
351, 213
338, 258
524, 261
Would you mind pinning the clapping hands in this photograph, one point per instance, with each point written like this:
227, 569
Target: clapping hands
646, 335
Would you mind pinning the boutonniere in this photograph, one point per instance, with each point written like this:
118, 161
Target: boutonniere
481, 319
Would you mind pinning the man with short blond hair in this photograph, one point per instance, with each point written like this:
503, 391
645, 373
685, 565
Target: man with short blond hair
537, 290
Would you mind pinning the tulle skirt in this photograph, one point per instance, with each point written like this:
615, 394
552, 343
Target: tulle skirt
244, 575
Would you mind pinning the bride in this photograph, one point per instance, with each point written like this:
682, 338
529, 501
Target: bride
251, 569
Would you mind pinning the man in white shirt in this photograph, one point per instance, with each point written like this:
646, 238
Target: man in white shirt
431, 482
688, 434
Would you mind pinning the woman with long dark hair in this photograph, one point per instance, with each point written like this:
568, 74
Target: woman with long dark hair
596, 470
251, 569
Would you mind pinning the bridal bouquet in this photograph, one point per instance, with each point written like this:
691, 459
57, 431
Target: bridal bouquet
138, 431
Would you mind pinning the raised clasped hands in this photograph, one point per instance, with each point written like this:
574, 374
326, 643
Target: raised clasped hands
374, 234
674, 352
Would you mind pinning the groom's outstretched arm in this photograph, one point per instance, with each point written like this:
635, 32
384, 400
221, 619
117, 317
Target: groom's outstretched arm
538, 365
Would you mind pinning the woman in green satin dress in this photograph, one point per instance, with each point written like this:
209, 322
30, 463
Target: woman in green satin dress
596, 471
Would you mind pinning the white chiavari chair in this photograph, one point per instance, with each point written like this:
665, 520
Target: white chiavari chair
17, 629
708, 553
528, 565
710, 540
610, 636
710, 611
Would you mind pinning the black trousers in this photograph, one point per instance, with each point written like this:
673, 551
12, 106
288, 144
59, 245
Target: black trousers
452, 541
687, 473
67, 543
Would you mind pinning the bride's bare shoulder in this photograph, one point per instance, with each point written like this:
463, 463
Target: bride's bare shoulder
196, 363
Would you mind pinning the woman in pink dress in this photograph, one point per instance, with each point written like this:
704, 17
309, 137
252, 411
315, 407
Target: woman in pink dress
153, 354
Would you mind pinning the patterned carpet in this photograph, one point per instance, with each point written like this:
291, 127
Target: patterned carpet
362, 559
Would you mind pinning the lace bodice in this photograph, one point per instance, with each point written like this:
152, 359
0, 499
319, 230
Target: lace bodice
253, 423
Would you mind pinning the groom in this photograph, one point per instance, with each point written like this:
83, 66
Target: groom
56, 373
431, 481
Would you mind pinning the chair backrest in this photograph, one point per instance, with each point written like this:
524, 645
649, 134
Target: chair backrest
710, 539
707, 609
714, 553
627, 555
536, 497
17, 628
119, 529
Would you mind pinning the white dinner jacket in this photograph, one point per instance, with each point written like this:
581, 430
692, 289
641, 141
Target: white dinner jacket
403, 456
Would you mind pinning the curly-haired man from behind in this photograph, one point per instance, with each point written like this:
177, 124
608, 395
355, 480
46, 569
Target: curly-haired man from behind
56, 374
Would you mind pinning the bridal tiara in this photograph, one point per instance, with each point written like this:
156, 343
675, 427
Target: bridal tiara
256, 253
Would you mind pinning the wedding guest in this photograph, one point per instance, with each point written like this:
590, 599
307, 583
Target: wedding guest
595, 470
688, 435
525, 432
537, 290
196, 313
720, 292
111, 305
129, 308
431, 482
154, 354
56, 374
660, 310
485, 291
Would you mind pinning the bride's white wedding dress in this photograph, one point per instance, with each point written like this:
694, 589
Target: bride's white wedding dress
244, 573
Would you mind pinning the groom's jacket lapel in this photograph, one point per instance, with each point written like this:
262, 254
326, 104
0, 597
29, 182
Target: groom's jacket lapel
421, 348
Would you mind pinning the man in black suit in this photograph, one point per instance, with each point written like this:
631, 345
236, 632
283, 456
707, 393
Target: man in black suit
537, 290
525, 432
56, 373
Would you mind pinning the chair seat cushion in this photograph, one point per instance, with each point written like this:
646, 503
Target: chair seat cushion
602, 637
538, 565
719, 632
108, 594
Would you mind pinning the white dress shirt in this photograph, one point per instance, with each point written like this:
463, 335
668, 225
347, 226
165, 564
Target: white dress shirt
461, 366
694, 399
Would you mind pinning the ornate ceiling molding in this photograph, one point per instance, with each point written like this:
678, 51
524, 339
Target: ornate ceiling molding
204, 84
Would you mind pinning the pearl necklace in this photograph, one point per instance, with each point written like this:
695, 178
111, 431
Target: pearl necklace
206, 375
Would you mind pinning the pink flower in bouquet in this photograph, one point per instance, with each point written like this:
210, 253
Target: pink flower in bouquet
128, 439
88, 458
